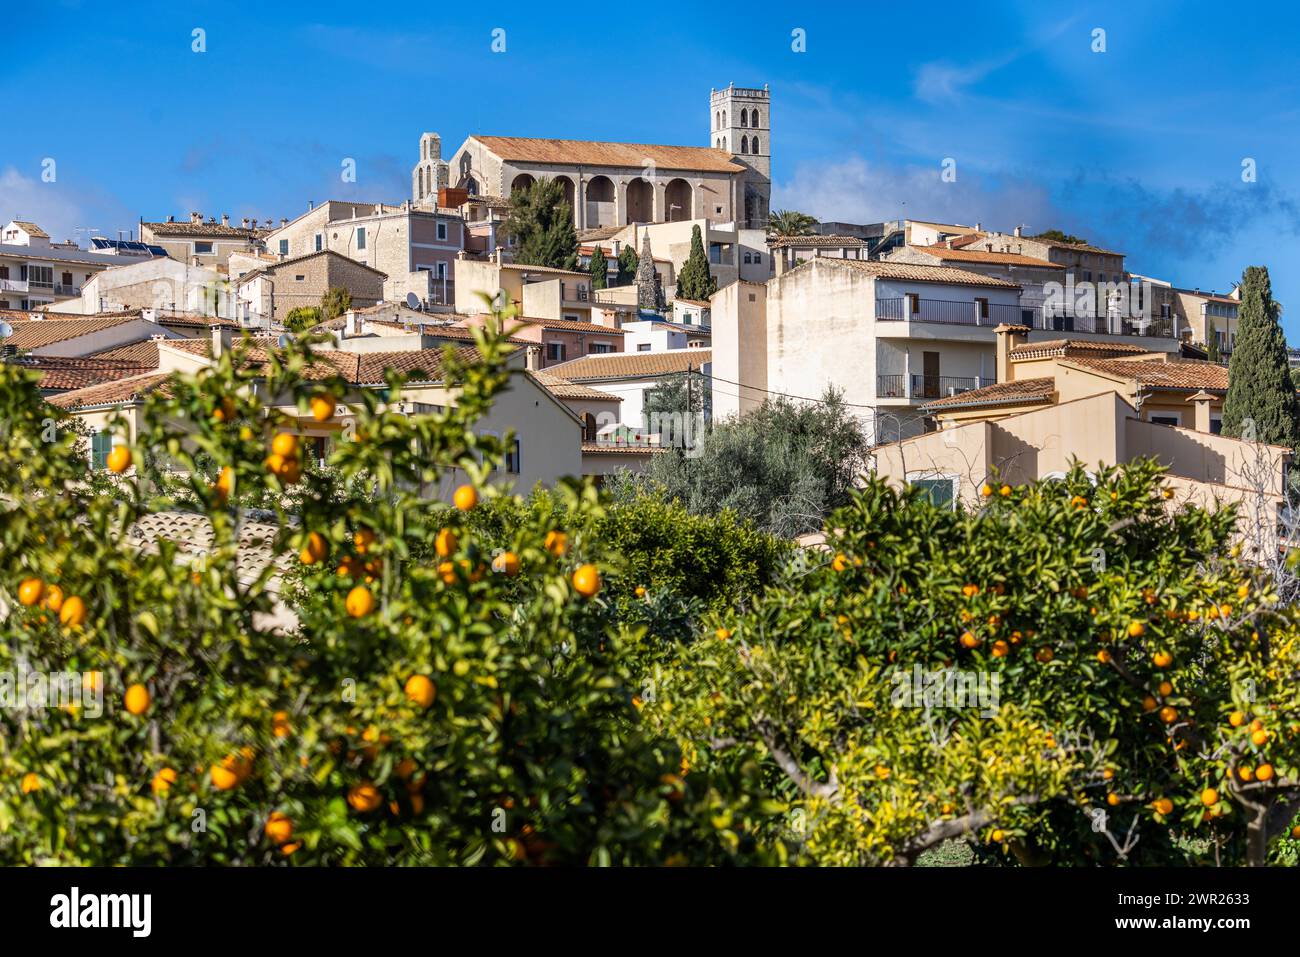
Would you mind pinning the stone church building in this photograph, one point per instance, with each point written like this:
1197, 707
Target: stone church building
614, 184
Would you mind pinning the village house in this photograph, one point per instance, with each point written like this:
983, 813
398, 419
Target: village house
200, 243
268, 293
35, 272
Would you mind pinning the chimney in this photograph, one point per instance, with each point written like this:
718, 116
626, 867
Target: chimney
243, 223
171, 219
1018, 231
1202, 415
496, 256
196, 217
979, 227
534, 358
1008, 337
311, 204
283, 221
350, 324
225, 219
223, 340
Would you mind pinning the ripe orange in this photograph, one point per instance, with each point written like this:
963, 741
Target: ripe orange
119, 459
137, 699
1149, 703
1136, 629
73, 612
1295, 832
1162, 659
1103, 656
280, 726
1236, 719
557, 543
162, 781
722, 634
54, 598
223, 778
1044, 655
969, 641
1257, 725
1259, 738
359, 602
91, 681
986, 490
1112, 799
363, 538
1165, 689
289, 849
507, 563
1163, 806
1000, 649
586, 581
285, 444
279, 828
314, 550
465, 497
446, 543
1079, 501
225, 410
640, 591
30, 783
1264, 772
1108, 774
1168, 714
30, 591
322, 407
1209, 797
225, 483
997, 836
970, 591
1246, 773
447, 572
420, 690
364, 797
1005, 491
840, 562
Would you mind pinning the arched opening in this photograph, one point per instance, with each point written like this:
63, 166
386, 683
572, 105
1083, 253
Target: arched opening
744, 119
744, 144
420, 193
678, 201
589, 428
522, 181
754, 121
640, 201
753, 145
600, 201
567, 185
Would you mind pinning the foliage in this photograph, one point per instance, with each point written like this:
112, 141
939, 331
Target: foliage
783, 466
789, 222
1261, 403
525, 745
1060, 237
599, 269
695, 281
675, 397
540, 221
627, 263
1146, 712
336, 301
302, 318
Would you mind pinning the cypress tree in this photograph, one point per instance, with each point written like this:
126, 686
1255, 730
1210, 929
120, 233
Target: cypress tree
1259, 380
541, 222
696, 281
599, 269
627, 263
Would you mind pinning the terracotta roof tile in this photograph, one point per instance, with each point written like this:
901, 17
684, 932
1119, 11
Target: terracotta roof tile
592, 153
118, 392
631, 365
140, 353
31, 229
573, 326
816, 242
564, 389
63, 374
890, 269
35, 333
188, 228
1178, 375
600, 448
1017, 392
943, 253
1066, 347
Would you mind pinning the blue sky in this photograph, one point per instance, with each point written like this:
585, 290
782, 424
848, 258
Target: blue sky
1138, 148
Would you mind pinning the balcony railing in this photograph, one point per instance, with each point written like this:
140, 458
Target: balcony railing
13, 285
62, 290
896, 386
947, 311
1057, 319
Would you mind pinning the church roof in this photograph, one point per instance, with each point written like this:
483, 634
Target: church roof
591, 153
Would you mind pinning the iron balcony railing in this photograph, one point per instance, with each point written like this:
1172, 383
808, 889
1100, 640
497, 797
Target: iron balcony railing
899, 386
947, 311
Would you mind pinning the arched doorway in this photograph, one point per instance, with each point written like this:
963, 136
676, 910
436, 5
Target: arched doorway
678, 201
640, 201
567, 185
600, 201
522, 181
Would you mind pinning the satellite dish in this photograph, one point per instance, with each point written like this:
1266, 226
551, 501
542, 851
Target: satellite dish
6, 330
413, 301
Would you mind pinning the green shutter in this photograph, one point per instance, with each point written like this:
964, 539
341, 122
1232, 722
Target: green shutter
101, 443
938, 490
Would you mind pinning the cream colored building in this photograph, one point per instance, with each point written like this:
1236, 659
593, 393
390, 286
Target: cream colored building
199, 243
161, 284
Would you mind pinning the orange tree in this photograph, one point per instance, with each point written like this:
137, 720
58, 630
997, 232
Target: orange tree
423, 708
1073, 673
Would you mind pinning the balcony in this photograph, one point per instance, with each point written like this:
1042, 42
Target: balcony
896, 386
947, 311
13, 285
1064, 319
63, 290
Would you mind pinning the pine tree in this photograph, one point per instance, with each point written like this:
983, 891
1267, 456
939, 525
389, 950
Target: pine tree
541, 223
1212, 345
1259, 379
696, 281
599, 269
627, 263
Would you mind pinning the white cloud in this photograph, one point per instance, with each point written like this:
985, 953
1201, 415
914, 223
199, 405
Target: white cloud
62, 211
856, 191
